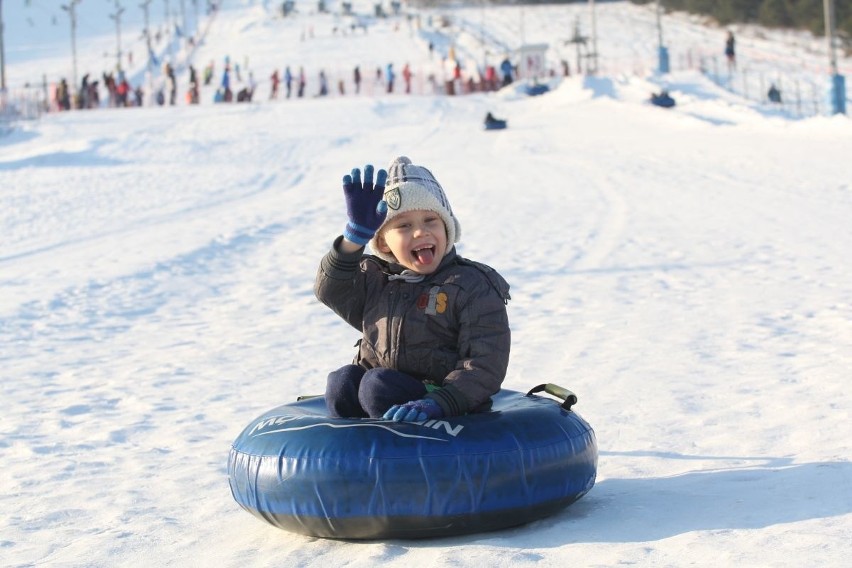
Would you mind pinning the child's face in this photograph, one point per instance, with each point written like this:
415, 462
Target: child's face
417, 239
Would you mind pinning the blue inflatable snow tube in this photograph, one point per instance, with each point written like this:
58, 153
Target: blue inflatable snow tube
537, 89
662, 100
299, 470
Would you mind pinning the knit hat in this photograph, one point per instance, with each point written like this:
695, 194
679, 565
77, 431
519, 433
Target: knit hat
411, 188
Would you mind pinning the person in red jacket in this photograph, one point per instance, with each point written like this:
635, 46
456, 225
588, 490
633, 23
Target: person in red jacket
275, 80
406, 76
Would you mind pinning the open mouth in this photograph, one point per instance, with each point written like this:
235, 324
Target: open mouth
424, 254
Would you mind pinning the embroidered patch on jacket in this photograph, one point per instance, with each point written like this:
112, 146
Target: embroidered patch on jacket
433, 303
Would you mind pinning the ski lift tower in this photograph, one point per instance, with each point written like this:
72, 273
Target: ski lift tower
838, 82
117, 18
592, 65
580, 41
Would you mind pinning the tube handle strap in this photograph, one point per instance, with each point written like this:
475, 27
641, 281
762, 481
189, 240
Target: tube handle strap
567, 397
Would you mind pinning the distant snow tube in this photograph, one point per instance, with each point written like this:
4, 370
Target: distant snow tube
535, 90
662, 100
496, 124
527, 458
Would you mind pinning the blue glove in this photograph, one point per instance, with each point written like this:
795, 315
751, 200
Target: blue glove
364, 204
414, 411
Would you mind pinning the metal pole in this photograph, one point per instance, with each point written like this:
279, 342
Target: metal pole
838, 82
2, 54
144, 5
828, 9
70, 8
117, 17
592, 66
482, 35
659, 25
195, 15
169, 32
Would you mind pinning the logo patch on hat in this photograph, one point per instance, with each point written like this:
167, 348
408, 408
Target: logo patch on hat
393, 198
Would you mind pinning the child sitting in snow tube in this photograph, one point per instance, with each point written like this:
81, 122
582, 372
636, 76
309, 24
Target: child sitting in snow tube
662, 99
435, 330
492, 123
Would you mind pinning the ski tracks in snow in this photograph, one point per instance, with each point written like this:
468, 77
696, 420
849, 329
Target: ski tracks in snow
606, 233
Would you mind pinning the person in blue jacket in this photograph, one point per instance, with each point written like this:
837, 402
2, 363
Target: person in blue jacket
507, 71
390, 76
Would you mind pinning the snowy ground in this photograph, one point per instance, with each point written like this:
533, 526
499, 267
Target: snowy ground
685, 272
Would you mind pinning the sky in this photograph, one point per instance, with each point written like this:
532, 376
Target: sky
684, 271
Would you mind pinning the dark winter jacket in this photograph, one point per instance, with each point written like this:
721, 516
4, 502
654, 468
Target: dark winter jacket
450, 330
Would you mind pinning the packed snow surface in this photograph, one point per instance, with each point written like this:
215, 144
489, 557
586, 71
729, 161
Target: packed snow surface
686, 272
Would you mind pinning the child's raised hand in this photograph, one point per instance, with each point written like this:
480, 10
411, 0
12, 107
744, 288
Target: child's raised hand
414, 411
364, 204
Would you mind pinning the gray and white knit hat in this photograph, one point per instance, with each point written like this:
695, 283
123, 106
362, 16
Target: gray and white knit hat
411, 188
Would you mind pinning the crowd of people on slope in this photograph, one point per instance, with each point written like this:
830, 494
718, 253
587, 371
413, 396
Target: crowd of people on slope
238, 83
450, 77
119, 93
293, 82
